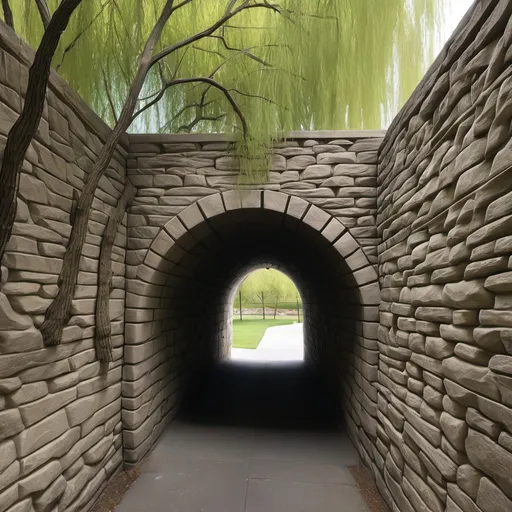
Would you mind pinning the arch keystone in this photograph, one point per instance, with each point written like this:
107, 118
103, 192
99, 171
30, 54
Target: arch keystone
251, 198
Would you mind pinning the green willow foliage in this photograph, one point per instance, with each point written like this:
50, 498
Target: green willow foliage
320, 64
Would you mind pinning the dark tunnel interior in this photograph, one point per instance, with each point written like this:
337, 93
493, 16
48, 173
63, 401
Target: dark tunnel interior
204, 268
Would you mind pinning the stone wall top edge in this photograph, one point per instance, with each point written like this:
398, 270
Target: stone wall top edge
137, 138
471, 22
13, 44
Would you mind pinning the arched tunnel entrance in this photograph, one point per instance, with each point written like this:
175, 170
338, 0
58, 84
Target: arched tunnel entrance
180, 308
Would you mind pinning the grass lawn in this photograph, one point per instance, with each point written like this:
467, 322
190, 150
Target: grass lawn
248, 333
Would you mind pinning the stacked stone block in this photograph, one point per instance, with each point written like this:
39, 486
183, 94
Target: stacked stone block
445, 261
426, 378
333, 173
183, 290
60, 410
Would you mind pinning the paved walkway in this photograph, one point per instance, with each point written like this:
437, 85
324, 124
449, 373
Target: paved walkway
279, 343
256, 441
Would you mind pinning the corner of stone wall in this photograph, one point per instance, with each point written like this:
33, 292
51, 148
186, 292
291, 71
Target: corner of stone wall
60, 409
445, 266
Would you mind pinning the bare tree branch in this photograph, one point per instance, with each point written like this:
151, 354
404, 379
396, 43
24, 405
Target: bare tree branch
249, 95
189, 127
44, 11
58, 313
217, 85
230, 6
245, 51
23, 130
201, 105
109, 96
210, 30
9, 20
103, 327
157, 96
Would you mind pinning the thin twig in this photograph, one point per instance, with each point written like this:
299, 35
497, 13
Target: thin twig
188, 127
219, 86
79, 35
109, 96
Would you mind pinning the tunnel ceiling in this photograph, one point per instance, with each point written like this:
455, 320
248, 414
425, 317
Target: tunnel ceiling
227, 246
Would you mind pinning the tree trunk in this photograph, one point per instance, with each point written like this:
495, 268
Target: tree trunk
103, 328
22, 132
9, 20
240, 300
275, 310
58, 313
263, 303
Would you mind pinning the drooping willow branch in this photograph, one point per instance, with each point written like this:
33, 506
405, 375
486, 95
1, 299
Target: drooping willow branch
103, 328
58, 313
198, 79
9, 20
25, 127
73, 43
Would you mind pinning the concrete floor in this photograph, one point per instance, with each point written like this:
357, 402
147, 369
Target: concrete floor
255, 441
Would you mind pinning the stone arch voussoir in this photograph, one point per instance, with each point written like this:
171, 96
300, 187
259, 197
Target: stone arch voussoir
328, 226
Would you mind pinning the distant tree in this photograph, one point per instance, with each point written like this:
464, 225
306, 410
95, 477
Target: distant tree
280, 288
267, 287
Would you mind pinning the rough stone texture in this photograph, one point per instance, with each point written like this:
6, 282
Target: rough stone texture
318, 176
444, 185
403, 251
37, 383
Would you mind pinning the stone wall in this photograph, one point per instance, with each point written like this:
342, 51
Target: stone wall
336, 174
194, 231
444, 440
60, 410
428, 404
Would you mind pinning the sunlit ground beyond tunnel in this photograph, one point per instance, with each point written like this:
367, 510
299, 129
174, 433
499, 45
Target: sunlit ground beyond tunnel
267, 314
279, 343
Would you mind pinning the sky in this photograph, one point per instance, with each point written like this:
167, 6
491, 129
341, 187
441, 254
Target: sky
454, 11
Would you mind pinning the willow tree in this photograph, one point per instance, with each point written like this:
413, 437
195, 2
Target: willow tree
249, 68
267, 286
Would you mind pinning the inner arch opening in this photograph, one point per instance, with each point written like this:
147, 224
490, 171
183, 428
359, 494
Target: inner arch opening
266, 323
178, 337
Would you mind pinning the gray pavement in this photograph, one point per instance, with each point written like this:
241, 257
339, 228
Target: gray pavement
229, 462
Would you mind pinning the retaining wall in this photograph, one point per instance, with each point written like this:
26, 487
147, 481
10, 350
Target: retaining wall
60, 409
445, 269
